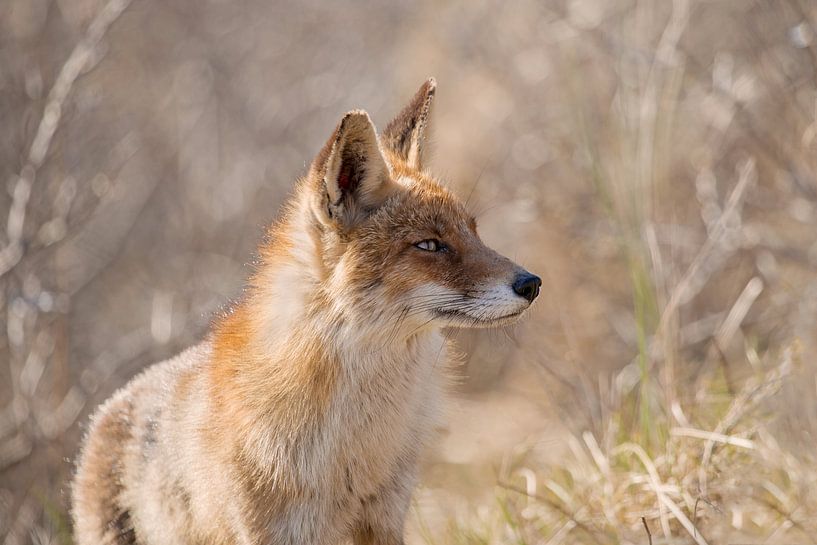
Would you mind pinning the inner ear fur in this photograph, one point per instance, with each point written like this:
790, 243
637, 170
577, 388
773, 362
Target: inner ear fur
405, 135
350, 171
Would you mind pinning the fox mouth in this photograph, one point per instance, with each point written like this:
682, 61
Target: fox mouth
479, 321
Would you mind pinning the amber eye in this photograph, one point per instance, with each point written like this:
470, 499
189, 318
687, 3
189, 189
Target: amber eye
430, 245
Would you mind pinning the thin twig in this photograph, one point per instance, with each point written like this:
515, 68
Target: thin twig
712, 436
78, 61
682, 290
647, 529
738, 312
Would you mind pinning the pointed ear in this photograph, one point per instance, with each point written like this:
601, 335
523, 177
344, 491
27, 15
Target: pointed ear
405, 135
352, 175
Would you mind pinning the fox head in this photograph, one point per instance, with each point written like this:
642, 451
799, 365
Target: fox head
388, 243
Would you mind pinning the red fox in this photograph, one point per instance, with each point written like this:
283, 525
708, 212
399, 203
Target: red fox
300, 418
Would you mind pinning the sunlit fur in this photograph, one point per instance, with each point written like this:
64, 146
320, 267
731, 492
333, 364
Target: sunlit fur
302, 415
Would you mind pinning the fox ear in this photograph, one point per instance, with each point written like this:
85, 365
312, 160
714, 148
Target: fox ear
352, 173
405, 135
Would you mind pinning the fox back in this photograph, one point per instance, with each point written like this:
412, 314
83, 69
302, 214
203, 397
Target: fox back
300, 418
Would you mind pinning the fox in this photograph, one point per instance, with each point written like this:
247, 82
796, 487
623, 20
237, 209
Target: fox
302, 415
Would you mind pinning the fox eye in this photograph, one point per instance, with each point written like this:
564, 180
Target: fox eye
430, 245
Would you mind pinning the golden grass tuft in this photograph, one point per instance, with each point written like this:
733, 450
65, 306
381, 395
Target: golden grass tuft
720, 475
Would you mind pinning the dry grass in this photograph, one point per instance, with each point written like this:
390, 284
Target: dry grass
720, 474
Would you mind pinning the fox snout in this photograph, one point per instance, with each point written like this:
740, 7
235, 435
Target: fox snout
527, 285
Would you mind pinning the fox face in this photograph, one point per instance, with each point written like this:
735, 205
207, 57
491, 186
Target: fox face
395, 243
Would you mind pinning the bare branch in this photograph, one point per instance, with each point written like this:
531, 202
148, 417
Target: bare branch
78, 61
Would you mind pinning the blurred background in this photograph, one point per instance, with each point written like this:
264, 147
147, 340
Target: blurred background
653, 161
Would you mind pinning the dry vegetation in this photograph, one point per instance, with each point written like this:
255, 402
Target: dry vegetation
653, 160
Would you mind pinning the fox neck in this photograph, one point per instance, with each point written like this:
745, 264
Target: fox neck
287, 338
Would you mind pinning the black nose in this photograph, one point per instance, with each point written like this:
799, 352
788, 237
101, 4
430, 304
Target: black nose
527, 285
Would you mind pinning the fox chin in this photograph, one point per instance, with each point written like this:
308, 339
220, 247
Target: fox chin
300, 418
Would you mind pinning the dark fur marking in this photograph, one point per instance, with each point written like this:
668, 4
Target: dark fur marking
122, 528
